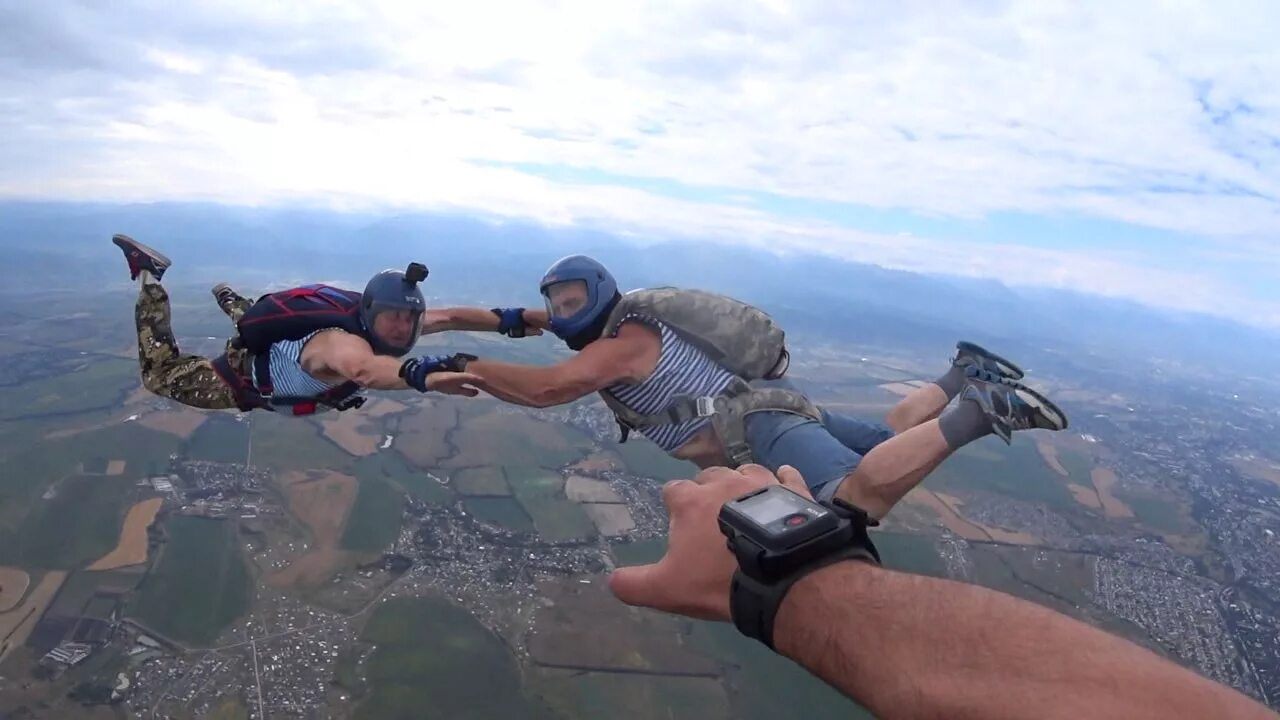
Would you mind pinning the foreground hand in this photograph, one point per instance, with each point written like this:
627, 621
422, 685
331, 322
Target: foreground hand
453, 383
693, 578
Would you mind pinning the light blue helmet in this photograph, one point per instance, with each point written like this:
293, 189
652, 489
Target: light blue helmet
580, 293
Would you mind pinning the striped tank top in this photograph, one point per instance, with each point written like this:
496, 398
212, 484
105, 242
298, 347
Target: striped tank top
682, 369
288, 379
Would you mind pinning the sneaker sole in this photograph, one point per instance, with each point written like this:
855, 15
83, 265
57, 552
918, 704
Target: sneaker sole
1042, 404
1006, 368
124, 242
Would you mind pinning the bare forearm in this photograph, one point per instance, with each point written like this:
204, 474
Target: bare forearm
517, 384
908, 646
467, 318
380, 372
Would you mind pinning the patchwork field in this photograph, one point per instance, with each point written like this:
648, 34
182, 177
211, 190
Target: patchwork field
131, 549
1257, 467
423, 435
583, 489
488, 481
567, 633
948, 510
320, 500
78, 525
516, 440
16, 625
610, 519
181, 423
352, 431
13, 585
1104, 481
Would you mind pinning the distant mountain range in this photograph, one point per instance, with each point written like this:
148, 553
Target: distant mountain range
66, 245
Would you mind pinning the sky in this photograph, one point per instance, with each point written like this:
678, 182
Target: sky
1125, 149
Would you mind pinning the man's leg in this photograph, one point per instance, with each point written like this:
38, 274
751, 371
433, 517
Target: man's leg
927, 402
188, 379
987, 406
889, 470
232, 303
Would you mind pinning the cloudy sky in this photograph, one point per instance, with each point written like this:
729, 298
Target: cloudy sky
1128, 149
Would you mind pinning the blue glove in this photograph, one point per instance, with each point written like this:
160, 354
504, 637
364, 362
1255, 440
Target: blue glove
511, 321
415, 370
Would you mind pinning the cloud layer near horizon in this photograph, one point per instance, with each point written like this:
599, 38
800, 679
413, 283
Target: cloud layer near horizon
729, 122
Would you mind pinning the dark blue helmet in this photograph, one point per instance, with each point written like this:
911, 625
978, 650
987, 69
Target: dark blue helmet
394, 294
579, 293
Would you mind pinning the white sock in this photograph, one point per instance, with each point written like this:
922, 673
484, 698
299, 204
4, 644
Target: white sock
145, 278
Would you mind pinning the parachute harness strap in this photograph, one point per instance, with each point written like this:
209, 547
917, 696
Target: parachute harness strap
741, 400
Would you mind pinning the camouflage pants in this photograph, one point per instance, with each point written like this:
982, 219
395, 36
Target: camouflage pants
188, 379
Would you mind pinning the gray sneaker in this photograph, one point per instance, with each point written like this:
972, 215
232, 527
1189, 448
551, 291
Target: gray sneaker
1011, 406
971, 355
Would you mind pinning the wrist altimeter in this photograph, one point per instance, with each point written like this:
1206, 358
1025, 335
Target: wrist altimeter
778, 537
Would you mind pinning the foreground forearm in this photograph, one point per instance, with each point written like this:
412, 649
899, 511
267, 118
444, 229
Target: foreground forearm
909, 646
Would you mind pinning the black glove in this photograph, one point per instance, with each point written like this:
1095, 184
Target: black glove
511, 321
415, 370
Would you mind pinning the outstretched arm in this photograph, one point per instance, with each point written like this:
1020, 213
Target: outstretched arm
350, 357
478, 319
599, 365
908, 646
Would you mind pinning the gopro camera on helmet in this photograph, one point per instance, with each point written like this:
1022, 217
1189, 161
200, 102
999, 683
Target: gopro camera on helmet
416, 272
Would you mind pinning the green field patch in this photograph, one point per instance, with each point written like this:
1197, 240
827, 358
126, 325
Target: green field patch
95, 465
392, 468
433, 658
374, 521
489, 480
1161, 514
640, 552
220, 439
502, 512
645, 459
1078, 465
578, 694
284, 442
534, 482
557, 519
1021, 474
79, 525
910, 553
97, 382
516, 441
201, 584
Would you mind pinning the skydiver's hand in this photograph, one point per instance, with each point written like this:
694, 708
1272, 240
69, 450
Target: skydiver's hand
693, 578
535, 321
453, 383
514, 322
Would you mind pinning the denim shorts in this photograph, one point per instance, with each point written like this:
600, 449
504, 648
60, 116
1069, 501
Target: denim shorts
824, 452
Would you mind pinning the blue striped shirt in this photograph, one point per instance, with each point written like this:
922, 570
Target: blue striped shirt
682, 369
288, 379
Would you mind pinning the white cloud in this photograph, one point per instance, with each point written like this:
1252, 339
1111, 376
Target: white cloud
1163, 115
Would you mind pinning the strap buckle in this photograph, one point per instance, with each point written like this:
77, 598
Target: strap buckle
705, 406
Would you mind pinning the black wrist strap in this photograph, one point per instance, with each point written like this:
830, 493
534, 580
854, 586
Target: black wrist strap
754, 605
